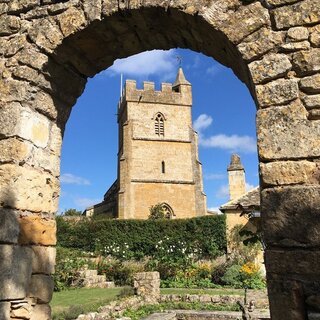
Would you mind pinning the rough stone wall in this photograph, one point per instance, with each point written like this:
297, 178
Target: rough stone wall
48, 49
147, 286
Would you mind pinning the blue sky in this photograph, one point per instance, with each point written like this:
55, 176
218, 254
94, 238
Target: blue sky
223, 114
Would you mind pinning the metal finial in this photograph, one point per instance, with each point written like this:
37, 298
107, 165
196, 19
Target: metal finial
179, 59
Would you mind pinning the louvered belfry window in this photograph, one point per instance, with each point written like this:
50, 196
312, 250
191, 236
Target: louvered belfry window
159, 125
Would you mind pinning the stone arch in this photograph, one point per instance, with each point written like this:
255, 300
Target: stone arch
49, 48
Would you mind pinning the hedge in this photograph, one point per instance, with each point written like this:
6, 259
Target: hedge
207, 233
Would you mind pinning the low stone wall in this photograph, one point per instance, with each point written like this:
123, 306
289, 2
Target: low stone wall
114, 309
205, 298
206, 315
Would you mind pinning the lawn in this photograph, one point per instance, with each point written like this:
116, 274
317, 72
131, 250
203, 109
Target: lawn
70, 303
211, 292
86, 299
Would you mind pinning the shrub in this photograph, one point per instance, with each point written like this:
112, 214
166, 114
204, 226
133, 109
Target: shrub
244, 276
121, 272
68, 264
136, 239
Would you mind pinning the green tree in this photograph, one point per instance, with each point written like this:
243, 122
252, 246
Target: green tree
71, 213
157, 212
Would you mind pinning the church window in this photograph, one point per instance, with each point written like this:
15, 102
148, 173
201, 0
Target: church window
159, 124
163, 167
167, 210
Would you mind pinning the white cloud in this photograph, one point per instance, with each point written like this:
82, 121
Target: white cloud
69, 178
202, 122
223, 192
215, 209
159, 62
214, 176
249, 187
213, 70
85, 202
233, 143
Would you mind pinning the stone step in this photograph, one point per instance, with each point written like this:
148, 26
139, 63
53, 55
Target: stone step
162, 316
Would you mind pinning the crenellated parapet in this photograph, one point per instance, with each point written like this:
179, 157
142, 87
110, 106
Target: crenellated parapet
171, 94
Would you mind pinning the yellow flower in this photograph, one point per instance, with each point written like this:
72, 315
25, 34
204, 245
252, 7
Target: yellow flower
249, 268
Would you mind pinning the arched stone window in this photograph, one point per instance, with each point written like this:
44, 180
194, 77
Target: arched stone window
167, 210
159, 124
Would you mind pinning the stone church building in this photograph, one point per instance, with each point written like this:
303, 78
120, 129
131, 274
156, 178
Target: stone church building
158, 159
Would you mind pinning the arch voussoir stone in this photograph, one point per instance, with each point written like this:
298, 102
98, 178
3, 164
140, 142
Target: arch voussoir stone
49, 48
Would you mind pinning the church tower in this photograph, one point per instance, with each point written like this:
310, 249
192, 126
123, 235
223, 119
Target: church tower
158, 152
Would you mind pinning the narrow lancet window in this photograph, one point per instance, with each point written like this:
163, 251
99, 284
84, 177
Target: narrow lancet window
163, 167
159, 125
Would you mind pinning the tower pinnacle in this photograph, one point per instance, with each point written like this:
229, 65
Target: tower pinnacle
180, 79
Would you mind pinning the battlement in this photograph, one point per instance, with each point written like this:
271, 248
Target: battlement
169, 94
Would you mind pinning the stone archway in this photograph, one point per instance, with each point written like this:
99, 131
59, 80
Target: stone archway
48, 48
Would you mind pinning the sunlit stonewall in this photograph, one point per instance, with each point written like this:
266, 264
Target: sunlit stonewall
48, 48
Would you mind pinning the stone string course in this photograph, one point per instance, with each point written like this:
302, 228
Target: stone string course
48, 49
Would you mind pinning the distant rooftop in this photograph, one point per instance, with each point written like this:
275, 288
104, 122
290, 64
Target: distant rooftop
250, 199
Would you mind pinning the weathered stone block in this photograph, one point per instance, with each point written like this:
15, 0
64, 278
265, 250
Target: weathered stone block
272, 66
5, 310
312, 102
25, 123
286, 299
310, 84
15, 266
41, 312
31, 56
306, 61
238, 25
284, 208
277, 92
21, 309
295, 46
17, 151
37, 230
28, 189
296, 261
32, 76
41, 287
285, 133
298, 34
22, 5
274, 3
43, 259
298, 14
92, 9
55, 139
9, 226
315, 35
9, 25
46, 34
15, 44
71, 20
260, 42
290, 172
13, 90
314, 114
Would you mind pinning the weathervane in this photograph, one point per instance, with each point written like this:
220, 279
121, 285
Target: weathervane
179, 59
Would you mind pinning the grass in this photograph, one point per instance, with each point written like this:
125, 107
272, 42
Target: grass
70, 303
211, 292
81, 300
